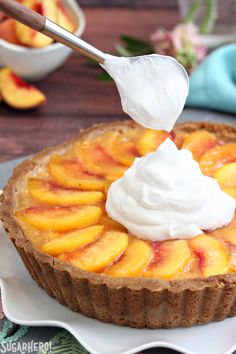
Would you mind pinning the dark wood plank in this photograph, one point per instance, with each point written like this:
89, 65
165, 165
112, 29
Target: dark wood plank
75, 98
131, 3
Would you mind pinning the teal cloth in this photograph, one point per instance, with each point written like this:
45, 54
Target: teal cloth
213, 83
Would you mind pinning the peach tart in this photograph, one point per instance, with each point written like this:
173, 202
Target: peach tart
53, 209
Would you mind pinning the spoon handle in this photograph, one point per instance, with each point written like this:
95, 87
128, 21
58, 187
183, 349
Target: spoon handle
41, 24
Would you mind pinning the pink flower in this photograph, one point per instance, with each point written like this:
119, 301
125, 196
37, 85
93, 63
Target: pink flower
186, 35
183, 43
162, 42
201, 52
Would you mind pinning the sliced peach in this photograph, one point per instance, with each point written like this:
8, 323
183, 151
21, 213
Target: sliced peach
179, 137
199, 142
110, 224
170, 258
224, 230
212, 255
103, 252
97, 161
46, 192
60, 219
70, 174
217, 157
107, 186
125, 152
7, 31
133, 262
119, 147
225, 234
64, 18
17, 93
230, 236
150, 140
30, 37
107, 141
226, 177
232, 224
72, 240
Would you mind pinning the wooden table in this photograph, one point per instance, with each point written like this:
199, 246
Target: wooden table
75, 97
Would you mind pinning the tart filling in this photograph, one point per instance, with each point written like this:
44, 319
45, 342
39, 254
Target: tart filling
60, 207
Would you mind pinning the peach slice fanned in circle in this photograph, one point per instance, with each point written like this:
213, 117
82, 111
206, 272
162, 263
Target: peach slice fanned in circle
226, 177
17, 93
199, 142
97, 161
217, 157
133, 262
150, 140
110, 224
69, 173
227, 235
72, 240
121, 150
103, 252
46, 192
212, 255
170, 259
219, 233
125, 152
60, 219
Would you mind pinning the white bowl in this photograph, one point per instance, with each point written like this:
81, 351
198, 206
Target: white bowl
35, 63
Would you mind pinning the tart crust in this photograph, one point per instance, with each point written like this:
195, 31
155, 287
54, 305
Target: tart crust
134, 302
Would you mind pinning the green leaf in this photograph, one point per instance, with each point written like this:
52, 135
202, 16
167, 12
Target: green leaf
124, 52
134, 44
104, 76
131, 46
64, 343
187, 57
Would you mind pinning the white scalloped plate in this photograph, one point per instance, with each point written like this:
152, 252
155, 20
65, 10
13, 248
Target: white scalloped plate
25, 303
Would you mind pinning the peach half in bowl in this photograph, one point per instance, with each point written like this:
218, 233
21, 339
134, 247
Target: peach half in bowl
35, 62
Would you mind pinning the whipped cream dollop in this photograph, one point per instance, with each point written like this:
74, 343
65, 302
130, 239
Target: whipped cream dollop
164, 195
153, 88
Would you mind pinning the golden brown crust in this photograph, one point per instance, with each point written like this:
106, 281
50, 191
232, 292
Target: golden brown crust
136, 302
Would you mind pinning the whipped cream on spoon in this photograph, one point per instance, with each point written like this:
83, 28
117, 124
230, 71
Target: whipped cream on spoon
153, 88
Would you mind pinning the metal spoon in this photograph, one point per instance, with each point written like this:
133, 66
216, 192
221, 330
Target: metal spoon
42, 24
